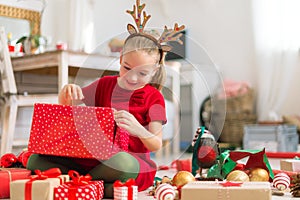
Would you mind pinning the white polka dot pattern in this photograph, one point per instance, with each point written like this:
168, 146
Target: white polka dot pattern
75, 131
93, 191
121, 193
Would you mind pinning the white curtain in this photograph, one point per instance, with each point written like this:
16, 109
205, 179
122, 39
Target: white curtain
277, 42
81, 30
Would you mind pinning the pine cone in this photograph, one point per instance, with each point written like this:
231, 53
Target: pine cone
295, 178
295, 190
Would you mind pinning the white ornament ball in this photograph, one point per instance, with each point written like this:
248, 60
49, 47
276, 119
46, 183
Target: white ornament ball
281, 181
165, 191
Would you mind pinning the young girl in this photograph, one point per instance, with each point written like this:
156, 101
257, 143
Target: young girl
139, 108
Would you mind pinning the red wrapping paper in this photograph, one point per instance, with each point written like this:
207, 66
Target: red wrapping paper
81, 187
76, 131
10, 174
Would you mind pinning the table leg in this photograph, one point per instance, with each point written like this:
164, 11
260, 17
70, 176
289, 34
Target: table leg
63, 70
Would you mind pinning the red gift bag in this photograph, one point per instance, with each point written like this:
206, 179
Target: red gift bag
76, 131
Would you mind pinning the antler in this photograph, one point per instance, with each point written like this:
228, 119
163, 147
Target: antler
170, 34
136, 14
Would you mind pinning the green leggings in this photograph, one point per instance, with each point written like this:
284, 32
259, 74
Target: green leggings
121, 166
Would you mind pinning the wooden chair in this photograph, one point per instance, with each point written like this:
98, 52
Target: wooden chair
13, 100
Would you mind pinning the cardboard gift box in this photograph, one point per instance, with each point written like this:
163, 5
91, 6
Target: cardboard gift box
212, 190
8, 175
38, 190
76, 131
125, 191
37, 187
290, 165
81, 187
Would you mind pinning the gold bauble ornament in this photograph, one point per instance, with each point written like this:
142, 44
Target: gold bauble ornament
182, 177
259, 174
237, 175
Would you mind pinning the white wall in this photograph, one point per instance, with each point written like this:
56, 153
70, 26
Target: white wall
55, 20
223, 28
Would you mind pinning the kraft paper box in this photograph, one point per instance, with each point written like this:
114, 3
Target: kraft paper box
40, 189
76, 131
213, 190
290, 165
10, 174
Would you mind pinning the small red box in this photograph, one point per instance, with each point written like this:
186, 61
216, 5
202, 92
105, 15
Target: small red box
11, 174
125, 191
76, 131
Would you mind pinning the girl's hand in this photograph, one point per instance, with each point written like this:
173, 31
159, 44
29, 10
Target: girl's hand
152, 138
69, 94
128, 122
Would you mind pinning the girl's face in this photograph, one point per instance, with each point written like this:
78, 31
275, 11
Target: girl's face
137, 69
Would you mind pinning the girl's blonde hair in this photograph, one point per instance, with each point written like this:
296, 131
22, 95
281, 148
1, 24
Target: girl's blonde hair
140, 42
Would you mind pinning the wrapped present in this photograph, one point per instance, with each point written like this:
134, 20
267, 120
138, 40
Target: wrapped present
125, 191
76, 131
214, 190
38, 187
290, 165
81, 187
8, 175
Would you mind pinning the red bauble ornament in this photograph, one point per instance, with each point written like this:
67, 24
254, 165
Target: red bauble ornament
23, 157
8, 160
206, 154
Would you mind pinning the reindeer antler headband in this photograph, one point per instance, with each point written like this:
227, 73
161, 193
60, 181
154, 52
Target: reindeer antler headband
167, 35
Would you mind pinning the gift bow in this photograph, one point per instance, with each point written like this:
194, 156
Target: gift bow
129, 183
78, 179
42, 175
50, 173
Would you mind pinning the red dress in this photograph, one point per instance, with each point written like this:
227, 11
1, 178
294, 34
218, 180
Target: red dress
146, 104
